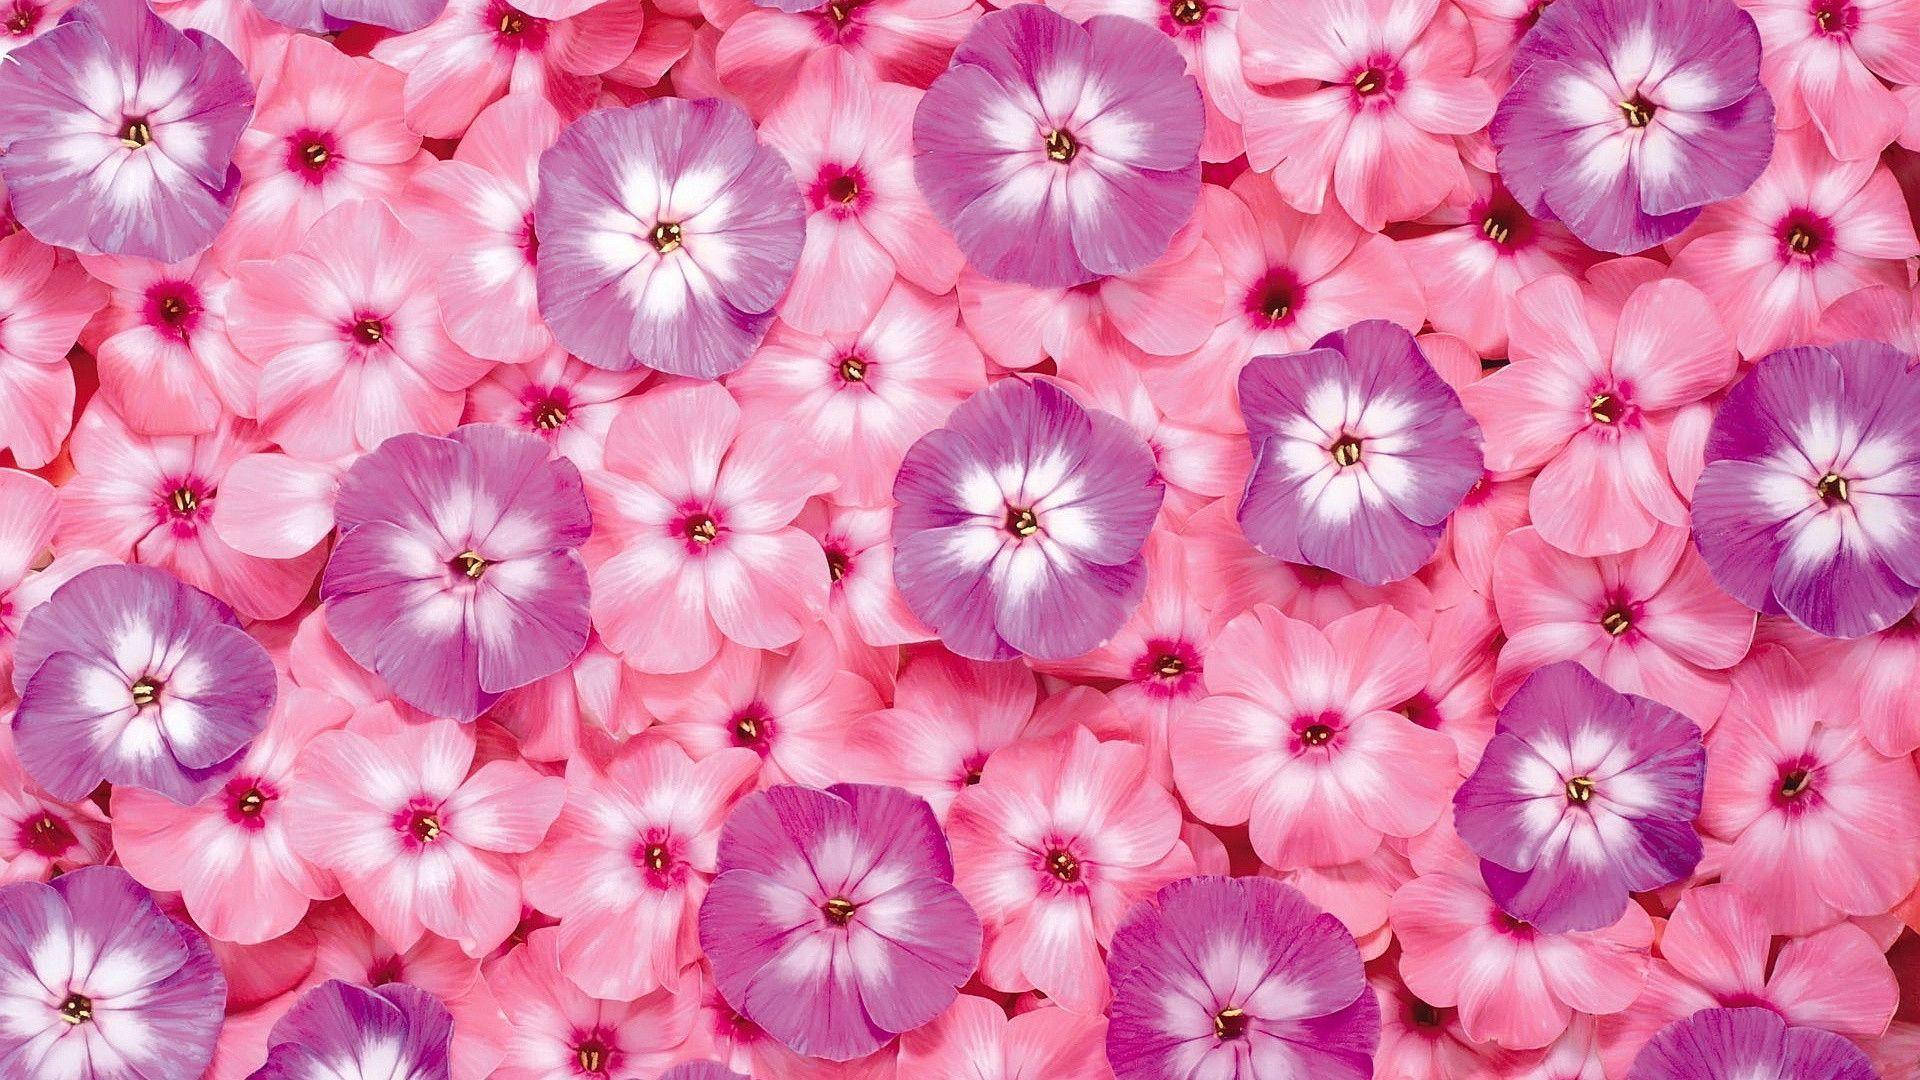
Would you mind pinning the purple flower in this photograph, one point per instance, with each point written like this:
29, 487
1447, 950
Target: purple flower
833, 922
1747, 1044
1020, 524
97, 984
117, 133
126, 674
1360, 452
455, 578
328, 16
1056, 152
1628, 116
1238, 979
667, 235
701, 1070
1583, 796
1807, 502
339, 1031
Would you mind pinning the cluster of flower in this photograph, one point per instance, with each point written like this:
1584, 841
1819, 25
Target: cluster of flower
921, 540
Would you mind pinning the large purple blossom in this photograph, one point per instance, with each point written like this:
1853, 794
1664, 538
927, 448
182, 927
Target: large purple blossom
117, 133
1583, 796
1360, 451
1238, 979
126, 674
339, 1031
329, 16
834, 923
1807, 504
1629, 116
667, 235
1747, 1044
1057, 152
456, 578
96, 983
1021, 522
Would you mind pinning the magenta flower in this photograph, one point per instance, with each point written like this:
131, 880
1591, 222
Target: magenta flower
339, 1031
1238, 979
117, 133
1584, 796
667, 235
1626, 119
1805, 503
1751, 1043
128, 675
1056, 152
455, 578
330, 16
99, 984
1360, 452
1021, 523
834, 923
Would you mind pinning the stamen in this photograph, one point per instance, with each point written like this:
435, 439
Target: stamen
593, 1057
1824, 19
1638, 111
836, 565
1187, 12
251, 802
512, 22
136, 133
145, 692
1794, 783
746, 729
1603, 408
1063, 865
1495, 230
656, 856
1316, 735
1616, 621
839, 910
315, 154
1801, 240
1346, 451
1021, 522
1229, 1023
370, 331
839, 11
1580, 789
853, 369
1832, 488
550, 415
76, 1010
1061, 147
426, 828
172, 309
843, 189
184, 501
702, 529
470, 563
1170, 666
666, 237
1369, 81
21, 22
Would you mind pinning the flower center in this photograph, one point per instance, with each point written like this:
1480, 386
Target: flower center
839, 11
1832, 488
469, 563
1169, 666
145, 691
843, 188
1795, 783
183, 500
702, 529
550, 415
250, 803
1346, 451
370, 331
1834, 17
853, 369
1229, 1023
173, 310
1638, 111
1425, 1015
76, 1010
1063, 865
1580, 789
656, 856
48, 836
1616, 620
136, 133
512, 23
1187, 12
836, 565
839, 910
22, 21
1021, 522
1316, 735
746, 729
425, 827
1370, 81
666, 237
1604, 408
315, 155
593, 1056
1061, 146
1802, 240
1496, 228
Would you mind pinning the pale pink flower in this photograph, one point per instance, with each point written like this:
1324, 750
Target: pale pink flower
596, 696
975, 1040
556, 397
29, 517
558, 1032
47, 298
1420, 1039
275, 506
1875, 313
761, 50
40, 836
1825, 62
165, 361
866, 614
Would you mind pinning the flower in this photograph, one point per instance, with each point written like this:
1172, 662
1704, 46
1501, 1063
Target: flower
1589, 400
455, 578
1238, 978
1360, 451
1091, 175
655, 256
834, 923
418, 843
166, 364
1821, 60
1624, 121
557, 1032
1583, 796
695, 542
128, 675
117, 133
101, 984
1363, 100
974, 1038
759, 57
1058, 839
29, 515
1749, 1043
42, 837
28, 19
326, 16
1876, 313
1205, 33
229, 855
339, 1031
569, 404
701, 1070
866, 615
48, 298
1802, 506
1020, 524
628, 861
1298, 738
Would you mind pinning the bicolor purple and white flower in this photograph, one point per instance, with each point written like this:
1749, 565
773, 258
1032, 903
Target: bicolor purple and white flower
1238, 979
1628, 116
455, 578
1021, 522
1057, 152
128, 675
1583, 796
117, 133
339, 1031
1749, 1043
96, 983
1360, 450
332, 16
834, 923
667, 235
1807, 502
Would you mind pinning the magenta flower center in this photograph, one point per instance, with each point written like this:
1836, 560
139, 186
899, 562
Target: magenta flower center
1370, 81
702, 529
369, 331
1187, 12
549, 415
839, 11
136, 133
1832, 488
1604, 408
839, 910
751, 729
171, 308
1229, 1023
424, 826
1275, 297
1316, 734
1169, 666
655, 856
1424, 1015
184, 501
76, 1010
837, 564
852, 369
1021, 522
1062, 864
1795, 783
1616, 620
46, 836
1061, 146
1835, 17
594, 1055
25, 17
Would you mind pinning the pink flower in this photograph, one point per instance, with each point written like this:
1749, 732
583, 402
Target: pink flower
29, 513
975, 1038
627, 863
230, 854
348, 336
1378, 91
1594, 384
694, 543
40, 836
1825, 61
1819, 825
558, 1032
1875, 313
554, 718
418, 844
48, 299
1205, 34
1057, 841
1298, 739
866, 614
569, 404
762, 51
165, 361
1512, 983
23, 20
1424, 1040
